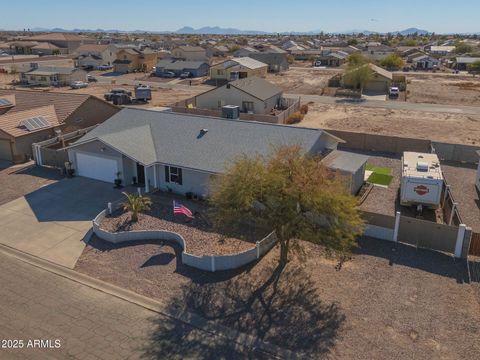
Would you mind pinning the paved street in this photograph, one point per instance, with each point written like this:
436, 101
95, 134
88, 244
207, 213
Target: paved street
36, 304
395, 105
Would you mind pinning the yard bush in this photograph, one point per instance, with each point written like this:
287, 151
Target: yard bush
295, 118
304, 109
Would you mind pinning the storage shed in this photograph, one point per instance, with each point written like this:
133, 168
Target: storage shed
349, 164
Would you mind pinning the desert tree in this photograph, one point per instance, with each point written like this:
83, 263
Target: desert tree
292, 193
357, 77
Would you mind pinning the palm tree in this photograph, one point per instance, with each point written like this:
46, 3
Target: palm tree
135, 204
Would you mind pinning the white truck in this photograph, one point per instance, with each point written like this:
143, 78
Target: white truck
422, 181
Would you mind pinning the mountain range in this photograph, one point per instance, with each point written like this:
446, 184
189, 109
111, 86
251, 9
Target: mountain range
216, 30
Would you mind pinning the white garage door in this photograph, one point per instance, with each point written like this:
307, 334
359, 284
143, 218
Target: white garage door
96, 167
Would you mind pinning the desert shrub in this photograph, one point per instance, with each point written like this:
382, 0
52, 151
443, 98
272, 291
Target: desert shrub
295, 118
304, 109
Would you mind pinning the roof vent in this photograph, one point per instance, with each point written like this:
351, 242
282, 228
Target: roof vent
228, 86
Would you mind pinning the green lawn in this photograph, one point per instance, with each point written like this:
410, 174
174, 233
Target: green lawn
380, 179
378, 169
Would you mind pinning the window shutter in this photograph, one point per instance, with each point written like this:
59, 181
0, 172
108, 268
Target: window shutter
167, 174
180, 178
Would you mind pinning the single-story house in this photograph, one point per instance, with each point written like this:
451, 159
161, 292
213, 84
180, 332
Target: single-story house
440, 50
52, 76
276, 61
350, 165
245, 51
425, 62
379, 82
88, 60
27, 117
462, 62
331, 59
190, 53
253, 94
238, 68
196, 68
180, 152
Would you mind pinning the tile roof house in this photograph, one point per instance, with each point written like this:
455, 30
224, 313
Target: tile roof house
32, 116
180, 152
238, 68
252, 94
107, 53
67, 41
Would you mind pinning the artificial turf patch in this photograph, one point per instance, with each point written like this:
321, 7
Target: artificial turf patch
378, 169
380, 179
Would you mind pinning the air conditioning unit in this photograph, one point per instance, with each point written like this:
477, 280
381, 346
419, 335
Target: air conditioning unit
231, 112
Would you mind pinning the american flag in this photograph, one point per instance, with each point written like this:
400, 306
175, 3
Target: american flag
181, 209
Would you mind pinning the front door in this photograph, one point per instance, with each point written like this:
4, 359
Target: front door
140, 174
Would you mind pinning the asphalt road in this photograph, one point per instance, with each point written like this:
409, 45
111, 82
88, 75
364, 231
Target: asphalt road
75, 321
396, 105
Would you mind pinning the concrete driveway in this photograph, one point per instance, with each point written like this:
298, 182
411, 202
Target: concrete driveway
54, 221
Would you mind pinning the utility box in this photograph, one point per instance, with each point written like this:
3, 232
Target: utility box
231, 112
422, 180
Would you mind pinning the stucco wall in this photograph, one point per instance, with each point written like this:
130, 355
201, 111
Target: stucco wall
193, 181
233, 96
93, 111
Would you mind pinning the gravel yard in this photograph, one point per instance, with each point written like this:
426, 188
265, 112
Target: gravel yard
385, 303
198, 234
462, 182
19, 180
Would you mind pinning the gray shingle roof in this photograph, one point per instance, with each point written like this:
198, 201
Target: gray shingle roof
258, 87
170, 64
170, 138
344, 161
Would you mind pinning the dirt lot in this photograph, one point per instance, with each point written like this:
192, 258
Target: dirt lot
385, 303
300, 81
452, 128
16, 181
160, 97
444, 89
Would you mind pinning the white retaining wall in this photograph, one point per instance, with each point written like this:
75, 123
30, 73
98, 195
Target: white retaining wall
379, 232
205, 262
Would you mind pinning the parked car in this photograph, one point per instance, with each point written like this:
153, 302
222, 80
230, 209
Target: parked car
91, 78
167, 74
186, 74
4, 54
394, 92
78, 85
105, 67
118, 91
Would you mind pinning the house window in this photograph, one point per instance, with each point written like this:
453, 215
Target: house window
247, 106
220, 72
173, 175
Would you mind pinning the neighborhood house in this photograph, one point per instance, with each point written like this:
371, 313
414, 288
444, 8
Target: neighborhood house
253, 95
238, 68
177, 152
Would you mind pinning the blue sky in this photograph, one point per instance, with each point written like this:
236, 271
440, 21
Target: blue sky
268, 15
